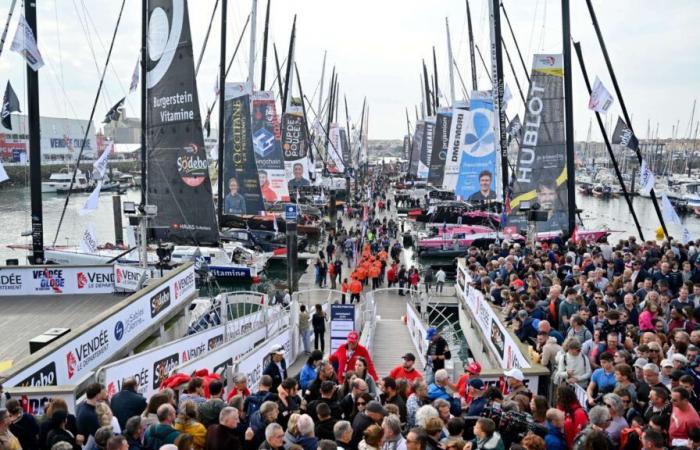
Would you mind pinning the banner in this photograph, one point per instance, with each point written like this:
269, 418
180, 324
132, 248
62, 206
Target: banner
600, 100
342, 323
87, 350
667, 210
345, 145
540, 173
477, 165
267, 147
454, 150
296, 152
624, 136
416, 146
88, 240
177, 166
93, 200
240, 173
24, 43
135, 75
646, 178
55, 280
426, 148
128, 278
440, 145
334, 162
10, 104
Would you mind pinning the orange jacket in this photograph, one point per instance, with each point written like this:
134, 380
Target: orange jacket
374, 271
355, 287
344, 287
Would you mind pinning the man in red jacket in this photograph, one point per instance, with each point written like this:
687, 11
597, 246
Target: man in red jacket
346, 355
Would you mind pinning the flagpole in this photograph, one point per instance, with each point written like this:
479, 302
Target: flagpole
222, 89
584, 72
569, 115
7, 25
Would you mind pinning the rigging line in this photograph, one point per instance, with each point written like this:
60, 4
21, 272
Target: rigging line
92, 115
532, 28
486, 69
58, 41
88, 38
7, 25
461, 80
206, 39
325, 132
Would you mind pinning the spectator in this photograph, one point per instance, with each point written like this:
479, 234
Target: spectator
304, 327
485, 436
23, 425
325, 423
683, 417
348, 353
603, 379
417, 399
555, 439
309, 371
164, 432
407, 369
393, 440
374, 413
575, 416
574, 366
599, 418
86, 418
186, 422
617, 418
438, 350
391, 396
58, 433
438, 388
127, 402
134, 431
372, 438
342, 430
194, 392
208, 412
274, 437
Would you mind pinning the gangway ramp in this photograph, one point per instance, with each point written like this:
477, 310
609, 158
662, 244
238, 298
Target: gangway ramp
391, 337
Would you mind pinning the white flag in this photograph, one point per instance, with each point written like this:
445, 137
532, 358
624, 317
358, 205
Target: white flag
601, 100
646, 178
88, 240
100, 166
3, 174
507, 96
274, 223
216, 86
93, 201
25, 44
685, 237
668, 212
135, 76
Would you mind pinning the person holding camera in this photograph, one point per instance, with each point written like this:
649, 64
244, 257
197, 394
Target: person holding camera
602, 381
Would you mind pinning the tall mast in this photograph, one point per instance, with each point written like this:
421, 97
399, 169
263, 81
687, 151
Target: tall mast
320, 92
569, 113
436, 94
449, 63
517, 47
264, 56
428, 111
7, 25
347, 132
408, 133
287, 100
34, 144
251, 54
222, 90
472, 58
330, 110
279, 76
497, 91
144, 93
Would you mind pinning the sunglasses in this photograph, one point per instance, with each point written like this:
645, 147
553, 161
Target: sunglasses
361, 403
653, 350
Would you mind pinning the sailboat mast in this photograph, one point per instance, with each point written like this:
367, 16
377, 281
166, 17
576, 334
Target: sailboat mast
449, 64
34, 145
436, 94
320, 92
144, 94
408, 134
264, 56
251, 54
222, 90
290, 62
7, 25
428, 109
569, 114
472, 57
497, 91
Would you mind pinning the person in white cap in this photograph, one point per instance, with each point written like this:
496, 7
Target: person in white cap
277, 367
515, 378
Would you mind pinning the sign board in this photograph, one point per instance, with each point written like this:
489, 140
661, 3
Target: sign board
84, 352
418, 332
56, 280
342, 323
128, 278
290, 212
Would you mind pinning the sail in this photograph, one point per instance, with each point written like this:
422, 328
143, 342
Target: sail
454, 147
267, 147
426, 148
242, 194
477, 165
416, 147
334, 161
441, 138
295, 151
177, 175
540, 174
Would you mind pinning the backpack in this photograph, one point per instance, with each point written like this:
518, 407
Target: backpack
253, 402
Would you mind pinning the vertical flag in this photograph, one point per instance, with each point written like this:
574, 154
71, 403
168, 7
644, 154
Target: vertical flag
10, 104
646, 178
3, 173
88, 241
685, 237
100, 166
600, 100
135, 77
25, 44
92, 201
668, 212
624, 136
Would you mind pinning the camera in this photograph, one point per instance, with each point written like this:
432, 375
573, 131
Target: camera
513, 425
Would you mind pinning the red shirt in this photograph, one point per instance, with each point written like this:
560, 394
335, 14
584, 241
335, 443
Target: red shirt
682, 422
399, 372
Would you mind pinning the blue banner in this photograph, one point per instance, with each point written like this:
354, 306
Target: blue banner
477, 169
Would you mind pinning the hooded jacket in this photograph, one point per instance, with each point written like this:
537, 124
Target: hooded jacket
341, 358
491, 443
555, 439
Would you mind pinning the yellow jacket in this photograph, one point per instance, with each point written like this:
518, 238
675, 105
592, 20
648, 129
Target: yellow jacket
194, 429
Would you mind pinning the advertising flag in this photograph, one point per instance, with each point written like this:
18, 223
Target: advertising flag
93, 201
426, 148
295, 151
624, 136
667, 210
600, 100
440, 145
334, 162
646, 178
454, 150
25, 44
88, 241
135, 76
10, 104
416, 146
267, 147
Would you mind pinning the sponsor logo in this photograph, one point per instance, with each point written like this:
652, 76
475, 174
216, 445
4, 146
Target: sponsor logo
220, 368
50, 280
548, 60
127, 277
95, 280
46, 376
160, 301
183, 285
11, 282
82, 355
129, 325
142, 380
162, 369
119, 330
120, 275
111, 390
192, 166
215, 342
192, 353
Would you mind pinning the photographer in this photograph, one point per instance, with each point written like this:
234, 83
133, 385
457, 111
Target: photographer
486, 436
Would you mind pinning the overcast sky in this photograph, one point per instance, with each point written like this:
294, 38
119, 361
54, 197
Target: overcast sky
377, 47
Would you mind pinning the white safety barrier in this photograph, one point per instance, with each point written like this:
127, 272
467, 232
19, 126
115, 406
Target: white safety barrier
56, 280
86, 349
418, 332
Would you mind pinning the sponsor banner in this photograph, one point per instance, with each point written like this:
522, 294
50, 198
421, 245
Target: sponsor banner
253, 363
178, 169
440, 146
540, 173
267, 147
416, 146
149, 368
83, 353
454, 149
426, 148
624, 136
342, 323
56, 280
127, 278
477, 164
345, 145
502, 345
240, 173
334, 162
418, 332
295, 151
35, 403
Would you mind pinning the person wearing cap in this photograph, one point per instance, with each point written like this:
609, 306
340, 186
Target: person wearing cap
347, 354
406, 370
666, 370
477, 389
515, 379
277, 367
471, 369
438, 350
374, 413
